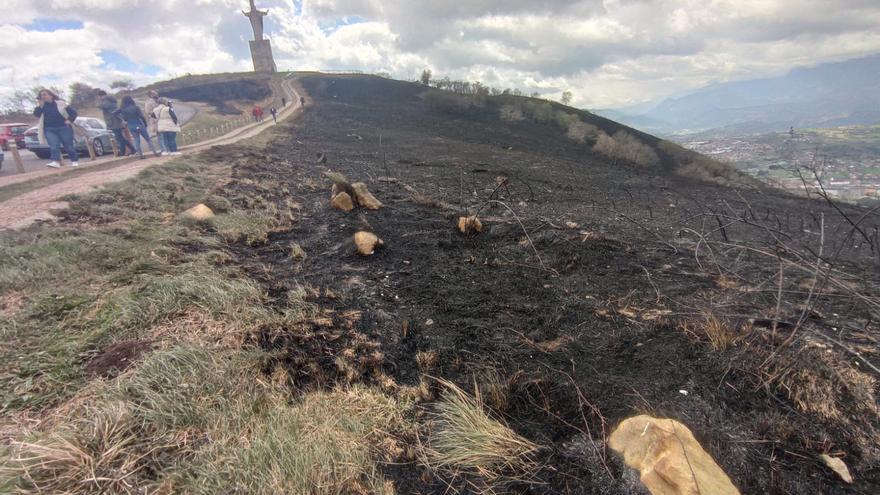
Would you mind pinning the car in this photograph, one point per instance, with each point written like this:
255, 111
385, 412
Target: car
2, 157
12, 132
86, 128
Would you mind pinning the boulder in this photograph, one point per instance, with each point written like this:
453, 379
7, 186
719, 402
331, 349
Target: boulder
364, 197
669, 458
334, 191
342, 201
470, 225
199, 212
367, 243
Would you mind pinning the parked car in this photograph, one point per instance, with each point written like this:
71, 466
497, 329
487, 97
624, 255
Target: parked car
12, 132
86, 128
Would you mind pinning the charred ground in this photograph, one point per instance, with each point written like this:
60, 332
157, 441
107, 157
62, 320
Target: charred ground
666, 297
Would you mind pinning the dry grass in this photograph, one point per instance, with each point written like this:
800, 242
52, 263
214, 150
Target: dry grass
464, 439
696, 166
719, 333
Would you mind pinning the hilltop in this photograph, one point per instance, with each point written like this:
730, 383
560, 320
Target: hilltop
614, 274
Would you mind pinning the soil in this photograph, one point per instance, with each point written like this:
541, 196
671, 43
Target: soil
584, 323
117, 357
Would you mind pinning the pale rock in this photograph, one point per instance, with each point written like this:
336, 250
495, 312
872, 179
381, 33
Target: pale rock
364, 197
367, 243
838, 466
571, 225
342, 201
470, 225
199, 212
669, 458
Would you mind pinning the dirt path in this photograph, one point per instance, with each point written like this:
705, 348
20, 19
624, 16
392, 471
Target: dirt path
22, 210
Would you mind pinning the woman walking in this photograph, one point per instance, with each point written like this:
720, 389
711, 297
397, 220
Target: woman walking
137, 124
168, 126
55, 127
108, 107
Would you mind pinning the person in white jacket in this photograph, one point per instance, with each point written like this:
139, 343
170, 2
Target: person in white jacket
168, 126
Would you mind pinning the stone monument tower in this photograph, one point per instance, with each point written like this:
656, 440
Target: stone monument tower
261, 50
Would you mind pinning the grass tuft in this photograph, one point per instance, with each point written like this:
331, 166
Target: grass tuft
464, 439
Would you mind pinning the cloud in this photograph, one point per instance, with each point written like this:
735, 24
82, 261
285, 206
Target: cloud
608, 52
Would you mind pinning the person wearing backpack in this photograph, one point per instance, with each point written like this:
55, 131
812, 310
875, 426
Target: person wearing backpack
108, 106
55, 127
137, 124
168, 126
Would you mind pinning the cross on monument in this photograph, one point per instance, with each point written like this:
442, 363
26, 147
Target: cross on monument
256, 18
261, 49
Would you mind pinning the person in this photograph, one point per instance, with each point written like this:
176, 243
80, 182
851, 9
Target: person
283, 102
274, 113
302, 101
258, 113
168, 126
134, 119
149, 105
108, 106
55, 127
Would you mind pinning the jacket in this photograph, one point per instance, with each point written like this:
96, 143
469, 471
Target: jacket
108, 107
68, 113
132, 115
164, 121
149, 106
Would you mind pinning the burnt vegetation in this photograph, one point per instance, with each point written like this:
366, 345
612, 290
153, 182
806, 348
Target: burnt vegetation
605, 281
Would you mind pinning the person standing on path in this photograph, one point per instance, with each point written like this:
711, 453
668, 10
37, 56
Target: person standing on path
168, 126
283, 102
108, 106
137, 124
274, 112
152, 124
55, 127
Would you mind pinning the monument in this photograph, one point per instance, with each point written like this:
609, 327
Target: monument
261, 50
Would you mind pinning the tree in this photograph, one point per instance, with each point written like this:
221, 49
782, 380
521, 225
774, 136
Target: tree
566, 97
426, 77
22, 101
82, 95
122, 84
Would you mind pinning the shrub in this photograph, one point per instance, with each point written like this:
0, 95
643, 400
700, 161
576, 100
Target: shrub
579, 131
511, 113
452, 103
689, 163
625, 146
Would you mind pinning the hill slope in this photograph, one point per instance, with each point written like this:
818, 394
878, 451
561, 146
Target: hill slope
269, 357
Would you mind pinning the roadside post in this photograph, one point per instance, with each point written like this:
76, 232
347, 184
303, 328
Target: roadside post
16, 156
114, 145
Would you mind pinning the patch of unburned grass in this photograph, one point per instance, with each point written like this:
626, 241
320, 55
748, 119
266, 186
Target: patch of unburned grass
199, 420
251, 227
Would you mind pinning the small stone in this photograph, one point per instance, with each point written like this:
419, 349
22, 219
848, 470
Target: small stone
367, 243
571, 225
838, 466
429, 322
199, 212
470, 225
364, 197
343, 202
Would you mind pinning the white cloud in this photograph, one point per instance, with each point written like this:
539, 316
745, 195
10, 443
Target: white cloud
608, 52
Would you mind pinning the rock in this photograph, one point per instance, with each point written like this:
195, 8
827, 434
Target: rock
334, 191
470, 225
364, 197
342, 201
838, 466
367, 243
669, 458
571, 225
199, 212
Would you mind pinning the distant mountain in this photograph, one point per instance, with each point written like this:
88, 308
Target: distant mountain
833, 94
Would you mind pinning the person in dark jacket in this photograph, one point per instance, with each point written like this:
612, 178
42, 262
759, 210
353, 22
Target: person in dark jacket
136, 122
274, 112
108, 106
55, 127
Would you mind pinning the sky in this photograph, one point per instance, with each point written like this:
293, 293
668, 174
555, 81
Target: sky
608, 53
